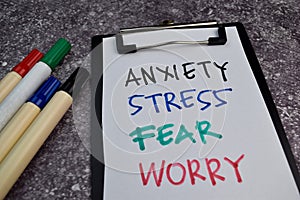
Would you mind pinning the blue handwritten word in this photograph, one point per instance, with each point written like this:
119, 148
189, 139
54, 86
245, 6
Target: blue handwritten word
185, 98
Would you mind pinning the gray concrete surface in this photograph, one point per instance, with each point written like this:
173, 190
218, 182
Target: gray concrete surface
61, 168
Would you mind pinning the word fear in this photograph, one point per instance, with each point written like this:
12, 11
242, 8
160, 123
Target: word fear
171, 100
188, 72
164, 135
193, 168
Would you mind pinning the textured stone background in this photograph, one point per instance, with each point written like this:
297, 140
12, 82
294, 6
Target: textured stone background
61, 169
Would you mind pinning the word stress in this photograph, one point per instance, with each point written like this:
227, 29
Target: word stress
171, 101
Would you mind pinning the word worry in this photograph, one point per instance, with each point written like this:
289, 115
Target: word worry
193, 169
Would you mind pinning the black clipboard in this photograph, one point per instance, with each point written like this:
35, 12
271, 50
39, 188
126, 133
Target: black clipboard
98, 168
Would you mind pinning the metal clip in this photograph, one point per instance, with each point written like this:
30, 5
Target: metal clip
123, 49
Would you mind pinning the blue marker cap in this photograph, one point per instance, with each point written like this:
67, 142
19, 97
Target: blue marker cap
45, 92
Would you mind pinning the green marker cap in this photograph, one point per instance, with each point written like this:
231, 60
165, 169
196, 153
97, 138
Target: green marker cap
56, 53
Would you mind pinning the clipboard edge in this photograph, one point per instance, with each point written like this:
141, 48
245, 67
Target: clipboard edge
97, 168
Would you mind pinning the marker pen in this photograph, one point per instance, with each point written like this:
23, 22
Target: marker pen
10, 81
34, 78
15, 128
27, 146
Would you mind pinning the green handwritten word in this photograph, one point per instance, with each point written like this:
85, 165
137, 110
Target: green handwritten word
164, 134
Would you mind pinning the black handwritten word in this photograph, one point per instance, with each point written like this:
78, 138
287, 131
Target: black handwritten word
192, 168
170, 99
188, 72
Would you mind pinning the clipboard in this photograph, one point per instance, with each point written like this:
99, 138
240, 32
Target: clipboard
241, 181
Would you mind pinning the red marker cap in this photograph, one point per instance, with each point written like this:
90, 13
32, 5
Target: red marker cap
28, 62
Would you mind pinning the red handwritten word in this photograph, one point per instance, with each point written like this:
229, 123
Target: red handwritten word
193, 171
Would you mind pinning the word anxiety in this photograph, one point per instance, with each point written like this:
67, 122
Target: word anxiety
188, 72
